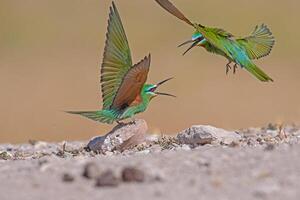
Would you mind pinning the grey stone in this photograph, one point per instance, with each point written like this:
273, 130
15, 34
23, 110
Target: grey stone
121, 137
91, 171
107, 179
132, 174
202, 134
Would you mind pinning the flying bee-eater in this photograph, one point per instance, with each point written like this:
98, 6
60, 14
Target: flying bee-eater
124, 90
240, 51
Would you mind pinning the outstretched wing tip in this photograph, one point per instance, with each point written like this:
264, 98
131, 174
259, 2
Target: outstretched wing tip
260, 43
116, 57
114, 7
148, 57
171, 8
146, 60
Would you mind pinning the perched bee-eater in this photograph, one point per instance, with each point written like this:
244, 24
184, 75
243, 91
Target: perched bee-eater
124, 91
240, 51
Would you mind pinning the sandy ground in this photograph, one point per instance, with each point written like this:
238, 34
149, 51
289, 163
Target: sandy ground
260, 166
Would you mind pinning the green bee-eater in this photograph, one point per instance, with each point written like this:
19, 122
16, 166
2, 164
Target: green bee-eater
124, 91
240, 51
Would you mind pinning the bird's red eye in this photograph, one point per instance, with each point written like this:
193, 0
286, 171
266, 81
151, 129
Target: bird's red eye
152, 89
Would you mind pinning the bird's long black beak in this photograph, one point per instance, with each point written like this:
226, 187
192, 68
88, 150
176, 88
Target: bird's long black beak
194, 43
163, 93
164, 81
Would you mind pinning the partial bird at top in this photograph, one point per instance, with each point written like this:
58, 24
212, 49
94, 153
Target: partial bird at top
240, 51
124, 89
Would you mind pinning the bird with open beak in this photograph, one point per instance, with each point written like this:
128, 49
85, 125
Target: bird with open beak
239, 51
124, 89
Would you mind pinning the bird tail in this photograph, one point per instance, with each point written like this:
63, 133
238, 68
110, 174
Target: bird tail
104, 116
258, 73
259, 44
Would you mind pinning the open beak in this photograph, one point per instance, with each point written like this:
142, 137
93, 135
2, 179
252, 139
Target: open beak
163, 93
194, 43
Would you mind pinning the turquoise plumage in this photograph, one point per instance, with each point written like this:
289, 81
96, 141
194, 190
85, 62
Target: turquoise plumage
240, 51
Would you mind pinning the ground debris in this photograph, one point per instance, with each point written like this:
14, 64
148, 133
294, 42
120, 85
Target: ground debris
267, 137
67, 150
4, 155
271, 134
167, 142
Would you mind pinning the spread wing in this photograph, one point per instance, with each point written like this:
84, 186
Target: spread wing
116, 59
132, 84
259, 43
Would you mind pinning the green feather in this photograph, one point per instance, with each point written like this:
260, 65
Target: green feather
109, 116
216, 38
259, 43
104, 116
116, 59
258, 73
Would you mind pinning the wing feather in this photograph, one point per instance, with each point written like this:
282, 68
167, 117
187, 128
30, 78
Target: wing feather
132, 84
259, 43
116, 59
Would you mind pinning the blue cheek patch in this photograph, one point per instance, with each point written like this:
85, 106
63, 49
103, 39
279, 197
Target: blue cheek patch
196, 36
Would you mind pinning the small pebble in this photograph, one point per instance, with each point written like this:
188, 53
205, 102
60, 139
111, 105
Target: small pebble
5, 155
107, 179
91, 171
132, 174
68, 177
234, 144
259, 139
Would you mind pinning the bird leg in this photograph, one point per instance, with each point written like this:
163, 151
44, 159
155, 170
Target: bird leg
235, 68
228, 67
120, 123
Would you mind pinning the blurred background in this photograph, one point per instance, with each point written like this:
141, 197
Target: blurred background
51, 51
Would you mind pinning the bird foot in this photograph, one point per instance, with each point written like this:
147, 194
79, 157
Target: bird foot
228, 67
235, 68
